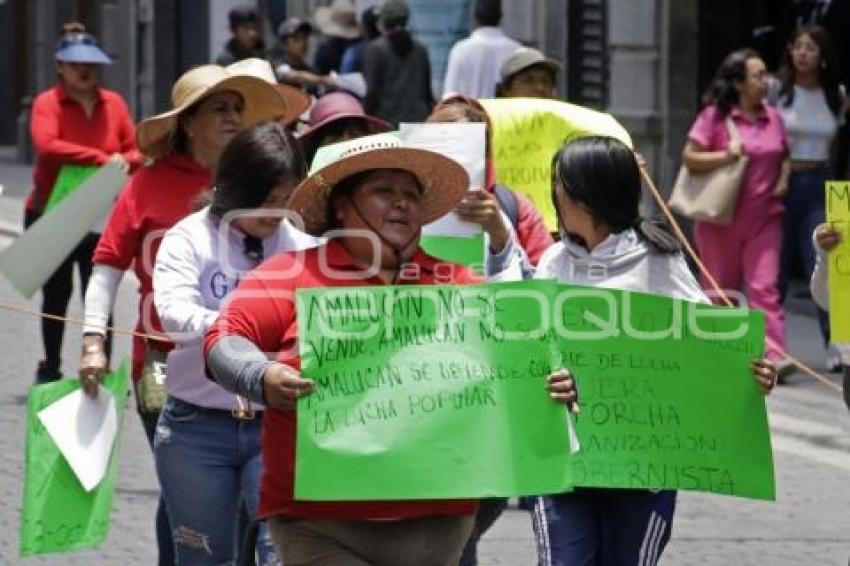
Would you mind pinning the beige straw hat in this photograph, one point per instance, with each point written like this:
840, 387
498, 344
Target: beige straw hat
338, 20
262, 101
444, 182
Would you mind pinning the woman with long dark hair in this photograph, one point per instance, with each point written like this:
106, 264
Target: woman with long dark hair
397, 70
596, 189
745, 254
207, 444
810, 103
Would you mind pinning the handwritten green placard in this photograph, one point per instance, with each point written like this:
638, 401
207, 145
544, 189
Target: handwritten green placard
58, 514
70, 177
667, 397
664, 386
838, 215
416, 398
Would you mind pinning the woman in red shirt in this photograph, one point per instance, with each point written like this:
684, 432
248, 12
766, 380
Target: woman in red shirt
390, 192
74, 123
211, 104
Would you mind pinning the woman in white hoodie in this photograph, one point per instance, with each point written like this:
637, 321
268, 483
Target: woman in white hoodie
605, 243
826, 239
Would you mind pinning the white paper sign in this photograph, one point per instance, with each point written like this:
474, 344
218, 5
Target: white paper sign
35, 255
84, 430
465, 143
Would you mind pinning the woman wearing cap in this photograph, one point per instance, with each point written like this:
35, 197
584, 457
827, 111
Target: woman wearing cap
397, 70
389, 192
76, 122
207, 446
337, 117
211, 104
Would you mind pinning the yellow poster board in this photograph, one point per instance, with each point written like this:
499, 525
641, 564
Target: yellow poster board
526, 134
838, 215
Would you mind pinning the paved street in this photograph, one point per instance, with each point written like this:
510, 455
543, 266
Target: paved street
808, 525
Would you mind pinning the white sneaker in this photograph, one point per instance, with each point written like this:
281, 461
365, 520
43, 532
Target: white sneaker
833, 359
784, 368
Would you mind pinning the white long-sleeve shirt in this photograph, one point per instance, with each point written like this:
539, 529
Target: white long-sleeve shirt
475, 63
201, 260
819, 286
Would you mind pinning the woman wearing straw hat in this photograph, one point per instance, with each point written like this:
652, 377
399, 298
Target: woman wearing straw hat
211, 104
376, 197
207, 446
74, 123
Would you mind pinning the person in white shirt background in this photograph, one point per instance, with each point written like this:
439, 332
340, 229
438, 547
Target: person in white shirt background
207, 442
475, 62
811, 103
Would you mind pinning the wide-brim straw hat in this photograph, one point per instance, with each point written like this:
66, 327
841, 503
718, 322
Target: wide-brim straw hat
338, 20
444, 181
263, 101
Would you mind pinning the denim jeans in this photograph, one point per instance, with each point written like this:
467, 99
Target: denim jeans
804, 210
164, 543
209, 465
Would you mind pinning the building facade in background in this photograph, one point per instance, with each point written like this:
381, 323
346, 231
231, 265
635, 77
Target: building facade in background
645, 61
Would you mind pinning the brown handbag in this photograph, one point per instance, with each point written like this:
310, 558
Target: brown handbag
713, 195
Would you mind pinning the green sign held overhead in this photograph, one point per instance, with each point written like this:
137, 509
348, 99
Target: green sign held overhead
439, 392
58, 514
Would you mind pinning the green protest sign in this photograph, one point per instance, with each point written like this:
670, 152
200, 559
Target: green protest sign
408, 377
667, 398
70, 177
58, 514
419, 396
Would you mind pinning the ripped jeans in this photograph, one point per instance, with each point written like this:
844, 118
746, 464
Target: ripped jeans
209, 464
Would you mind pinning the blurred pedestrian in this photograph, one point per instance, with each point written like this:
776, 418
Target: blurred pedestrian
746, 253
245, 41
75, 122
826, 238
390, 192
209, 106
337, 117
475, 63
352, 59
397, 70
528, 73
811, 103
290, 59
207, 446
338, 23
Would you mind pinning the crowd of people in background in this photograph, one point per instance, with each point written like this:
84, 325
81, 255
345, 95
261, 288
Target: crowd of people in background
250, 124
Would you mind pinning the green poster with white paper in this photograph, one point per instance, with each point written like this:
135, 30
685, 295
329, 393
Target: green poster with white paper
420, 393
58, 514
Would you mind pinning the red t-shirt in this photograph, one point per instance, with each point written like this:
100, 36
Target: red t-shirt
263, 311
154, 200
63, 133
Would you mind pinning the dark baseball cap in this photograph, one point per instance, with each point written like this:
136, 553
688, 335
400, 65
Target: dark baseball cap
291, 26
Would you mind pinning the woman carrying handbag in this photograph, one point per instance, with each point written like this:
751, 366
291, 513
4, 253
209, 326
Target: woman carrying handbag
745, 253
